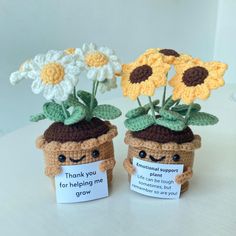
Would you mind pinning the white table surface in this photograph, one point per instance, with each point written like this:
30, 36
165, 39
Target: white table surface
28, 207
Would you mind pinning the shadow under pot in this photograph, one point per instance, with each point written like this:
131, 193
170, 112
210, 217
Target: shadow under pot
161, 145
81, 143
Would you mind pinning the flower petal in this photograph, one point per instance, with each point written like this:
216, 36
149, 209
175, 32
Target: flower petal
92, 46
60, 93
214, 82
72, 69
178, 91
134, 91
92, 74
49, 92
202, 92
106, 51
79, 52
147, 88
109, 72
17, 76
39, 60
188, 95
37, 86
67, 86
101, 74
117, 66
53, 55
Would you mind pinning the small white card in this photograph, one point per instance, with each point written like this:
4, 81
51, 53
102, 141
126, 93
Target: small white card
79, 183
156, 180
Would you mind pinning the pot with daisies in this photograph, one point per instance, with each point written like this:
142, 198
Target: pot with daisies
161, 144
78, 147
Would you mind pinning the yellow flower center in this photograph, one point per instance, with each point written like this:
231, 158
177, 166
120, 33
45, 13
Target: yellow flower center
52, 73
96, 59
70, 51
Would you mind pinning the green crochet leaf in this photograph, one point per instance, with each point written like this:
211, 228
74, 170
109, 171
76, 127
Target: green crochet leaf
37, 117
136, 112
182, 109
54, 111
176, 125
106, 112
141, 110
169, 103
170, 115
71, 101
201, 119
157, 108
77, 115
86, 98
139, 123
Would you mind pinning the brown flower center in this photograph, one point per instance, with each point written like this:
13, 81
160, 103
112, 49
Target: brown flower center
169, 52
140, 74
194, 76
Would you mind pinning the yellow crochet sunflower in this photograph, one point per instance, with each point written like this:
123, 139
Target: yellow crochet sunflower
196, 79
169, 56
144, 75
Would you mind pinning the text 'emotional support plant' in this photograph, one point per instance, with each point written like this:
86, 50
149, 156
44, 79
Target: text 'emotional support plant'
80, 133
158, 131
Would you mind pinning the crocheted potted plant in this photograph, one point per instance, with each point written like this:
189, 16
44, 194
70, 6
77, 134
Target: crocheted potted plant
159, 132
80, 132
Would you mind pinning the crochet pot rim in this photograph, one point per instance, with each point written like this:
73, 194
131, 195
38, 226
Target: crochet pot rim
88, 144
138, 142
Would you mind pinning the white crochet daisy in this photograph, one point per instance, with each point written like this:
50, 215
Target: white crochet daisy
100, 63
54, 73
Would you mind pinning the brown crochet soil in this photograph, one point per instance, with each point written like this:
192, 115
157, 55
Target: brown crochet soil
78, 132
161, 134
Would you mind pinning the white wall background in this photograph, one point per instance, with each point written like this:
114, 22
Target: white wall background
29, 27
225, 40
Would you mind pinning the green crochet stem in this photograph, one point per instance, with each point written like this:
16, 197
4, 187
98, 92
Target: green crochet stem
152, 107
94, 92
164, 96
64, 110
188, 112
96, 88
92, 98
139, 102
74, 92
177, 103
164, 93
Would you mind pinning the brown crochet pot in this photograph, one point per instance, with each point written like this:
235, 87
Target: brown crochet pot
78, 144
171, 148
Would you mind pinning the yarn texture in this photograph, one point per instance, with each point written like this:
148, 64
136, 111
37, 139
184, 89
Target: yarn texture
77, 132
161, 134
81, 152
165, 152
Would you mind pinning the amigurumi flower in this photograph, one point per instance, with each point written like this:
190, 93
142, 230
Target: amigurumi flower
100, 63
144, 75
54, 73
196, 79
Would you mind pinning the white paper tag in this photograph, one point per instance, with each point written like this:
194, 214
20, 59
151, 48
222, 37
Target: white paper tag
79, 183
156, 180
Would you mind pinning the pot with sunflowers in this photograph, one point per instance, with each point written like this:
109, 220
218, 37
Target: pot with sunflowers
159, 132
80, 133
